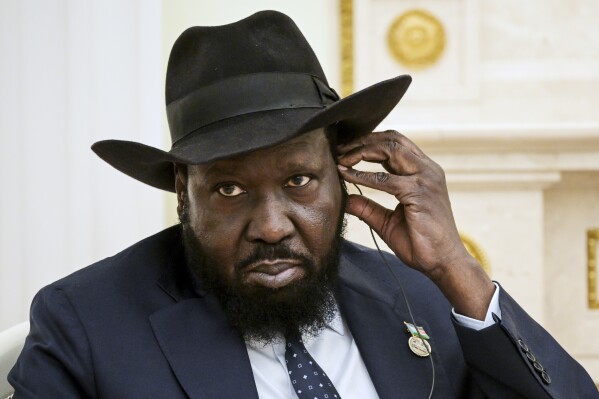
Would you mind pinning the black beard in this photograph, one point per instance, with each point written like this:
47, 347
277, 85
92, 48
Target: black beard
262, 314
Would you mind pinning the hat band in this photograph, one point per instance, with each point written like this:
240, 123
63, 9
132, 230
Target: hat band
243, 95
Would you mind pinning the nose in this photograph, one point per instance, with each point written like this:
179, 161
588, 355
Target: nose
270, 221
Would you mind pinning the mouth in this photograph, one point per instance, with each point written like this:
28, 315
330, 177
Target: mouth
274, 273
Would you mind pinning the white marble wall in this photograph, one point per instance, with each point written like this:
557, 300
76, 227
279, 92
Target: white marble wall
510, 112
72, 72
571, 207
505, 62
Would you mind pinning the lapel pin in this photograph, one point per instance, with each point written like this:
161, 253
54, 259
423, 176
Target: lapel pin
418, 341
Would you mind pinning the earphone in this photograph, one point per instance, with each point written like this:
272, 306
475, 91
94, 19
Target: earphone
412, 318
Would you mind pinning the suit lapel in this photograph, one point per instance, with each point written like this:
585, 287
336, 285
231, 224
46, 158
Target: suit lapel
208, 358
194, 333
377, 327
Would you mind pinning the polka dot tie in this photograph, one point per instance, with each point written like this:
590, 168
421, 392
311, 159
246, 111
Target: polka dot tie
308, 379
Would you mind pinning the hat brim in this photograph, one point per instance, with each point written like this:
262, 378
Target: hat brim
355, 115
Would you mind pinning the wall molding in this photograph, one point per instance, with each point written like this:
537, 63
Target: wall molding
346, 28
592, 244
504, 137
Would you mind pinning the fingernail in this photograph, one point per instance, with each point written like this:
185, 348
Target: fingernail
341, 168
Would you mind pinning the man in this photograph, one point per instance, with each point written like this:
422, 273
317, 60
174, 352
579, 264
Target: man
256, 294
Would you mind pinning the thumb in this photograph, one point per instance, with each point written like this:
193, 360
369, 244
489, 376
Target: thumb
369, 211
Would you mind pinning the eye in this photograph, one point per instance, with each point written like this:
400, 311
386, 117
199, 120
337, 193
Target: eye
230, 190
298, 181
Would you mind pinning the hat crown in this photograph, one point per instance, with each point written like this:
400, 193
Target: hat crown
267, 41
237, 88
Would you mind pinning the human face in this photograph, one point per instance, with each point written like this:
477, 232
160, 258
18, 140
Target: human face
287, 196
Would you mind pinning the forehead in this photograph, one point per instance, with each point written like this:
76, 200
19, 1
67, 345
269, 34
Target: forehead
309, 149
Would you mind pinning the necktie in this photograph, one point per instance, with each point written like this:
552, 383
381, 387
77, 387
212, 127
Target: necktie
308, 379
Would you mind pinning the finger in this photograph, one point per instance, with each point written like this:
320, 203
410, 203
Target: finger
394, 157
387, 135
406, 143
369, 211
382, 181
369, 153
361, 141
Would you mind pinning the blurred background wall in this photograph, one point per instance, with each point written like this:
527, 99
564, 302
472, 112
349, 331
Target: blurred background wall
72, 73
505, 98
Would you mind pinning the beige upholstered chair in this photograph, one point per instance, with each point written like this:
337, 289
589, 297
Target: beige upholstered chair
11, 343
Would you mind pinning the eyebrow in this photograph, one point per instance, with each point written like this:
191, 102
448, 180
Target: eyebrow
232, 167
220, 166
289, 153
217, 168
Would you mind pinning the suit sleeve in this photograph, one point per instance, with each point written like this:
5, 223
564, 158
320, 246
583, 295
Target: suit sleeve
517, 358
56, 359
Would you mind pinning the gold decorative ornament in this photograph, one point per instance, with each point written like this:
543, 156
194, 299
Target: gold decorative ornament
420, 347
346, 18
416, 39
592, 243
474, 249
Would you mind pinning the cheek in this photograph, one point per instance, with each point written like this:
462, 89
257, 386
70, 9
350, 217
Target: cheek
219, 236
208, 222
319, 220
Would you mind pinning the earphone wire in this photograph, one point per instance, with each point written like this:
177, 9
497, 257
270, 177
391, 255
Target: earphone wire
405, 298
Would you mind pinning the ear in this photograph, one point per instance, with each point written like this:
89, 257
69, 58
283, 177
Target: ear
180, 171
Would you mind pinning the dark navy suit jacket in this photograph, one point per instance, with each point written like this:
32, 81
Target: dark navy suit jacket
134, 326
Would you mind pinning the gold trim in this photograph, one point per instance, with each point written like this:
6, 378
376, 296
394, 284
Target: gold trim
416, 39
476, 251
592, 243
346, 26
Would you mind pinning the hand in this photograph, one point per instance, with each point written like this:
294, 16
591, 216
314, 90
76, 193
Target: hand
421, 230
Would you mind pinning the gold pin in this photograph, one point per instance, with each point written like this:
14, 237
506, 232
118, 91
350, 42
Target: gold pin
419, 346
418, 342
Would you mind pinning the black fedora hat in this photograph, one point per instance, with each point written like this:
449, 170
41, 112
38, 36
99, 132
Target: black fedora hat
239, 87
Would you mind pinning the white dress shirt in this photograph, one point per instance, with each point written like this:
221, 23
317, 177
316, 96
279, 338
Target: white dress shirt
335, 350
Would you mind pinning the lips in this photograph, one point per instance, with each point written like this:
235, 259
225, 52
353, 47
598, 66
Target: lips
274, 273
